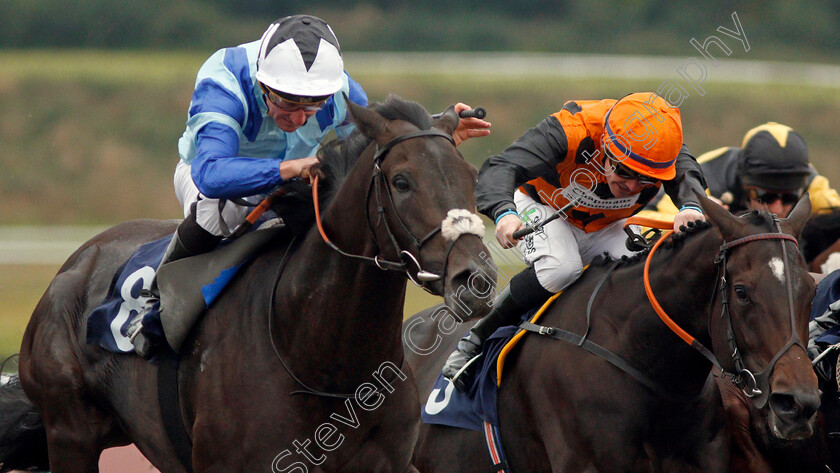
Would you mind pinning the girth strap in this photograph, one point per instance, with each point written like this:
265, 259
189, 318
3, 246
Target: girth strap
169, 400
598, 350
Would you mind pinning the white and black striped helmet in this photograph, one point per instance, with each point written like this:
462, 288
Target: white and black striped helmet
300, 58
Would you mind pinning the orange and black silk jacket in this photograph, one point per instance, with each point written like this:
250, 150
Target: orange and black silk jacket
564, 148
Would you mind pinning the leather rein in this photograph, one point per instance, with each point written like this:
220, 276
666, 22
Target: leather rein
755, 386
407, 257
409, 263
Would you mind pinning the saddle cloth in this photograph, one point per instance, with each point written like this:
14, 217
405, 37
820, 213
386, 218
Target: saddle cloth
107, 324
188, 287
469, 410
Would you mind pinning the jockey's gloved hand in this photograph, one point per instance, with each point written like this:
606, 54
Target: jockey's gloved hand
817, 327
825, 368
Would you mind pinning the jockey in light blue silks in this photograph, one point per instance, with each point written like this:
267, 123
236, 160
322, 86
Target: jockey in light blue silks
257, 116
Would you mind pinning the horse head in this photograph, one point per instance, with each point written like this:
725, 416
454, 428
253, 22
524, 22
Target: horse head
759, 319
421, 204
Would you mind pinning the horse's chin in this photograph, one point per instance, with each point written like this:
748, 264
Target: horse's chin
785, 430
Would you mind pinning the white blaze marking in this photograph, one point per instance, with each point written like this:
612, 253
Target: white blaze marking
778, 268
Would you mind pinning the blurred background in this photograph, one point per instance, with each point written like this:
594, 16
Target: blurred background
94, 93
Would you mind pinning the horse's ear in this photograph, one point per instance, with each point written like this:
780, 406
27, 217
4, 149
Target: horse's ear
720, 217
798, 217
370, 123
448, 121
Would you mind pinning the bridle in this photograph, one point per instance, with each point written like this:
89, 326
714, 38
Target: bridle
755, 386
409, 263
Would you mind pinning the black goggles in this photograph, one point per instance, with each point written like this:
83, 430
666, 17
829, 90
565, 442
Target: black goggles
289, 106
624, 172
768, 197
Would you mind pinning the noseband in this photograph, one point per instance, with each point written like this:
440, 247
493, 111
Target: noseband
409, 263
755, 386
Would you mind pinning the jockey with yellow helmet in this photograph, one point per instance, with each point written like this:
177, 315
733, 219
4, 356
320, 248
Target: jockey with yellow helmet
606, 157
770, 171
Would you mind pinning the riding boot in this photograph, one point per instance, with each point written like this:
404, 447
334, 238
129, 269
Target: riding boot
190, 239
523, 293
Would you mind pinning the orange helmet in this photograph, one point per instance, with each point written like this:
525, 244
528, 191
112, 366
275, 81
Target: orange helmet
644, 132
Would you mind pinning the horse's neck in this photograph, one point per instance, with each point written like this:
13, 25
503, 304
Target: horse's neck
344, 307
688, 273
683, 282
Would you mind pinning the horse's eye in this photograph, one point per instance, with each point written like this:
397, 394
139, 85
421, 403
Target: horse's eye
400, 183
742, 293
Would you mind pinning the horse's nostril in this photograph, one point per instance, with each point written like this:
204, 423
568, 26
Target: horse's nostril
476, 280
783, 403
810, 406
790, 405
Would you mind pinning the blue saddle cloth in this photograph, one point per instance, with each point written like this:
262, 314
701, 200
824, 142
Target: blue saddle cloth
468, 410
107, 324
828, 292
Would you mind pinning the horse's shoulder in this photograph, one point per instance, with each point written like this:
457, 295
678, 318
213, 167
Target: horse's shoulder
434, 327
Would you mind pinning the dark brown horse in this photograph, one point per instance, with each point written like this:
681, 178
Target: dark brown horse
821, 238
563, 409
298, 365
754, 449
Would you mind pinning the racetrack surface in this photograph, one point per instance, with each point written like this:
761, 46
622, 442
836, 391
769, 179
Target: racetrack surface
124, 460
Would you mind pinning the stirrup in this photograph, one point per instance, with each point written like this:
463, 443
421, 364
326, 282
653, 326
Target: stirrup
464, 368
135, 332
135, 328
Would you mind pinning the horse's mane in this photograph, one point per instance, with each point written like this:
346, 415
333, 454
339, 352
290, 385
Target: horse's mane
821, 231
336, 157
674, 241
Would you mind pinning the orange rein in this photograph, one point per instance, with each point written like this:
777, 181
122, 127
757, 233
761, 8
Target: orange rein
318, 209
647, 222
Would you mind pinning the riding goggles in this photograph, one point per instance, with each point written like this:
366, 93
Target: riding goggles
624, 172
768, 197
288, 106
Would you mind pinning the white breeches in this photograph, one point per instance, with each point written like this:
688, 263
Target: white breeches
219, 217
559, 250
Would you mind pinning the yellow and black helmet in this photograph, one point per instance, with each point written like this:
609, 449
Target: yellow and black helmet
773, 156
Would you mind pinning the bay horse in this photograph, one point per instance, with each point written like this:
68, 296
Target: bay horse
754, 449
298, 365
737, 285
